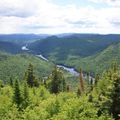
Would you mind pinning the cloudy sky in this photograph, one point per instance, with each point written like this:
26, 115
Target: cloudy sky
59, 16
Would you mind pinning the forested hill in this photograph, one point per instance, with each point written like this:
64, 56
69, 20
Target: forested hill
16, 65
89, 51
10, 47
98, 62
33, 88
77, 44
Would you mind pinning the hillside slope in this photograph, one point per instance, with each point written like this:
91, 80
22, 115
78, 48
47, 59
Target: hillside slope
16, 65
97, 62
83, 45
9, 47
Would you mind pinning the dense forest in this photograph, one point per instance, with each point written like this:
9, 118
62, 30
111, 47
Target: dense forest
59, 59
53, 99
34, 87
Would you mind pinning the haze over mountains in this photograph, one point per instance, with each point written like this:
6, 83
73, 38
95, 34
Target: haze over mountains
76, 50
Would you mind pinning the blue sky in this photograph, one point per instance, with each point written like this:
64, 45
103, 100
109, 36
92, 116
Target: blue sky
80, 3
59, 16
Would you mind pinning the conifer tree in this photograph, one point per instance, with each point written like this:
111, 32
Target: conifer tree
56, 81
17, 95
30, 76
115, 97
25, 95
111, 91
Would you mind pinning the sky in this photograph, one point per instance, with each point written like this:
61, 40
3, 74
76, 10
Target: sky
59, 16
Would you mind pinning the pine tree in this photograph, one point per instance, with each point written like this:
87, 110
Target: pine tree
25, 96
109, 86
56, 81
114, 91
115, 97
81, 81
30, 76
17, 99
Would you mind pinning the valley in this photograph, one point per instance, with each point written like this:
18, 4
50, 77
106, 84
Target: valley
91, 52
59, 59
68, 76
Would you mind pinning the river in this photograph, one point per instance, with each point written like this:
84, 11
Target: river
71, 70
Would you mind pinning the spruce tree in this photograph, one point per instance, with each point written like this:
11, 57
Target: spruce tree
115, 97
30, 76
109, 86
17, 99
56, 81
25, 95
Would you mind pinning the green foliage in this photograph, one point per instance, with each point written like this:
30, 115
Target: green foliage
91, 52
11, 81
24, 101
57, 81
1, 84
15, 65
30, 77
17, 98
108, 89
115, 96
58, 48
78, 92
95, 63
25, 96
46, 106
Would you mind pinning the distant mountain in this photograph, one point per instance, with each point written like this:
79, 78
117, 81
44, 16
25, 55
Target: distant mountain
10, 47
83, 45
22, 38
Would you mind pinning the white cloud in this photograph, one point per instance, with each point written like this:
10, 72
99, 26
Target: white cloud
42, 16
